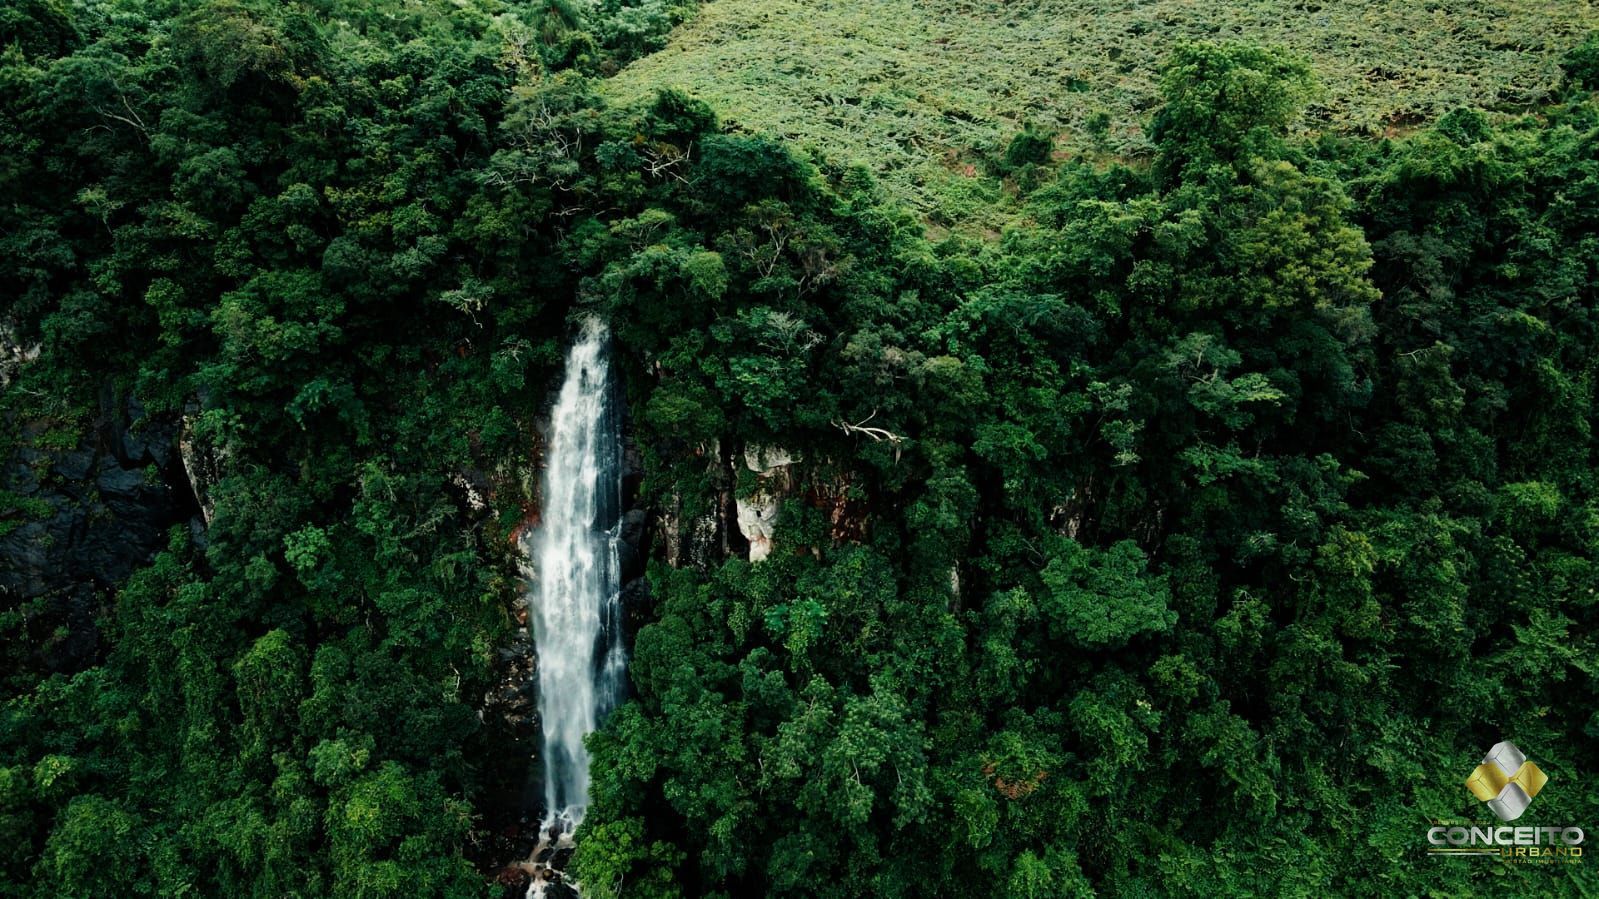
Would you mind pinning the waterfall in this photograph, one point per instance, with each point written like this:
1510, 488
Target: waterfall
574, 599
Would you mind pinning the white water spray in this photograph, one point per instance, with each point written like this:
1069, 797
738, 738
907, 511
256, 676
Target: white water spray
575, 600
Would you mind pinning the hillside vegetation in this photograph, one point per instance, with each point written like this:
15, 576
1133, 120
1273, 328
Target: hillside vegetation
927, 90
1195, 539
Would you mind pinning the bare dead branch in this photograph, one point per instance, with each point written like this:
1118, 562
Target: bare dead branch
875, 433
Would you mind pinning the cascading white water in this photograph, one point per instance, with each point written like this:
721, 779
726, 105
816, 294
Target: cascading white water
575, 597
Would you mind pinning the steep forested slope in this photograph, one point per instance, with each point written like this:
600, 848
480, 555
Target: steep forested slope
1195, 536
1213, 528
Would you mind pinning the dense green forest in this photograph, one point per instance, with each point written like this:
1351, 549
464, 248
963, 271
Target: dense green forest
1195, 535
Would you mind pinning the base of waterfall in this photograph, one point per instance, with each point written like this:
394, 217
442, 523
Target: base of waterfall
555, 841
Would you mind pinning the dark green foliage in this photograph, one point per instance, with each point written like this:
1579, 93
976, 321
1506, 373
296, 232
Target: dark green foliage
1239, 513
1028, 147
1582, 63
1223, 102
1194, 539
37, 27
282, 222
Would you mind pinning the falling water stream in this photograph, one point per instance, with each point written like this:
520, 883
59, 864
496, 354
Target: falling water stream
574, 597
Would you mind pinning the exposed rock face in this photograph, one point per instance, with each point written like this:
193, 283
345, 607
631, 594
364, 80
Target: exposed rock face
474, 489
725, 521
510, 707
847, 517
510, 715
757, 512
91, 515
202, 463
696, 535
693, 536
13, 355
633, 547
726, 525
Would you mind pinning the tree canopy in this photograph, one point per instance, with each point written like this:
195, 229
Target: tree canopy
1196, 536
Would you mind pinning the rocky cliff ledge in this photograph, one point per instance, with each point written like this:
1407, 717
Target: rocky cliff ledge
82, 519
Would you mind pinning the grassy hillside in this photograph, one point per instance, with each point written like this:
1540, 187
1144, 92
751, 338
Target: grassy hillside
926, 90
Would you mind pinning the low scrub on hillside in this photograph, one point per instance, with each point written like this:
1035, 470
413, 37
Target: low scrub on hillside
930, 92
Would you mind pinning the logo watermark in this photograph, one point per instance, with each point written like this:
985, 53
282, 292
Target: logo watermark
1507, 783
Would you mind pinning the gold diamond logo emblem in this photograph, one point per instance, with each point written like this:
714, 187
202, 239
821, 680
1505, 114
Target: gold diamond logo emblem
1506, 781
